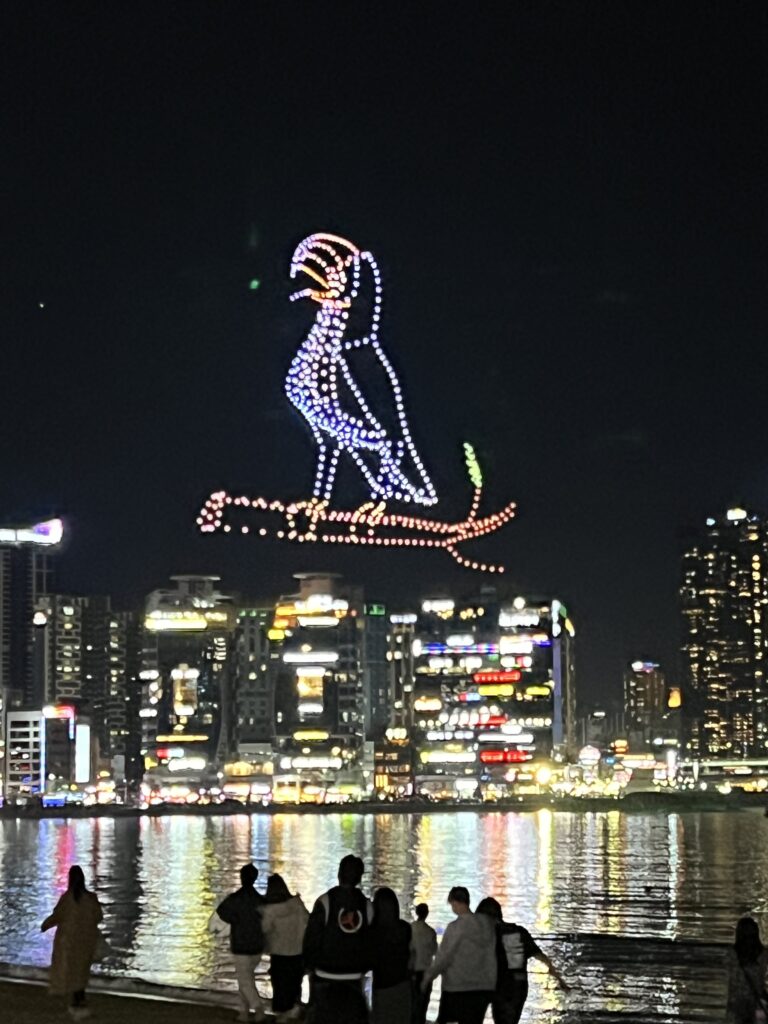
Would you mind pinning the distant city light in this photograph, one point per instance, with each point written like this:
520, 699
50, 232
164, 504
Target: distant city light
47, 534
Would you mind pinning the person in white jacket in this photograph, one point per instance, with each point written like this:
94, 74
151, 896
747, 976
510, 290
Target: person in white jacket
284, 921
467, 961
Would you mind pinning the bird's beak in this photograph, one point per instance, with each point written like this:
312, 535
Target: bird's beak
310, 292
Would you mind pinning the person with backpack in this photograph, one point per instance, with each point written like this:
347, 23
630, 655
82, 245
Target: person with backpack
241, 910
747, 969
284, 919
337, 949
515, 946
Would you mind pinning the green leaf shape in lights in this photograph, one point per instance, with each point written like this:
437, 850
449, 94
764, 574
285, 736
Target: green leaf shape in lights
473, 466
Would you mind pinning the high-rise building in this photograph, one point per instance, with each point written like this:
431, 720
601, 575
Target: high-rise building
373, 628
645, 701
402, 627
493, 697
58, 621
187, 661
332, 651
253, 684
117, 703
724, 602
328, 660
25, 576
87, 654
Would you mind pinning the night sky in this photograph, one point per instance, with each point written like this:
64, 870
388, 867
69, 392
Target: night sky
568, 204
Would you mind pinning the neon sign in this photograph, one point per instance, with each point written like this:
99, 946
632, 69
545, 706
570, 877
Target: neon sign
504, 756
326, 383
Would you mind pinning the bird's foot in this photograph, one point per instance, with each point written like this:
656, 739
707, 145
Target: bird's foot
369, 515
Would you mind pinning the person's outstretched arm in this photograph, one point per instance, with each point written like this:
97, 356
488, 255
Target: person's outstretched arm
53, 919
445, 954
535, 952
544, 959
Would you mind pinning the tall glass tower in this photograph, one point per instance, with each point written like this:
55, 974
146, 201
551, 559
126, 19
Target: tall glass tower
724, 604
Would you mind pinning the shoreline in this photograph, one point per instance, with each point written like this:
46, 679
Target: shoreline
644, 803
117, 999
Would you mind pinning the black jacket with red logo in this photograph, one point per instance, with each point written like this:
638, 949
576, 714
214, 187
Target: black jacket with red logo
337, 939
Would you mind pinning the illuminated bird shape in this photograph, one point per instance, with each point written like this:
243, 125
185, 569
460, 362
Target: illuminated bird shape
366, 422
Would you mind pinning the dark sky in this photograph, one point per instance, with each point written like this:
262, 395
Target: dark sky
568, 203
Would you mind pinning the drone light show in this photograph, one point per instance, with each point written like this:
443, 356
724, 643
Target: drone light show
346, 413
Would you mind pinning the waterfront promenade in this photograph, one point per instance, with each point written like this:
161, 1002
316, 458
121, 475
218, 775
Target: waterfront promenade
31, 1004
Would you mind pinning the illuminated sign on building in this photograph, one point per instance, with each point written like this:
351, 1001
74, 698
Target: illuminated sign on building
46, 534
162, 620
82, 753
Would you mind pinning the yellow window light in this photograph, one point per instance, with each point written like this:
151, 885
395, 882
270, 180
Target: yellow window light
310, 734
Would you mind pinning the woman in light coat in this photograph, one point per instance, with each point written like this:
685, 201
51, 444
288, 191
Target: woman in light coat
284, 921
76, 919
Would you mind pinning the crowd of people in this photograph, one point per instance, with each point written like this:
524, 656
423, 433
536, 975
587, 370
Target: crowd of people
482, 959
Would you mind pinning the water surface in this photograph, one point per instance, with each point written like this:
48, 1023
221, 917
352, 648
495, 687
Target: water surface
636, 908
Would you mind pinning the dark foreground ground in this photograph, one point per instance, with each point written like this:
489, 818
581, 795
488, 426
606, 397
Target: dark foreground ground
31, 1004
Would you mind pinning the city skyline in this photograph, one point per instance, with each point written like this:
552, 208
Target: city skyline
575, 321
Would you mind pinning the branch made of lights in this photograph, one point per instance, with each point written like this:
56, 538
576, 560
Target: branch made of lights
314, 521
319, 377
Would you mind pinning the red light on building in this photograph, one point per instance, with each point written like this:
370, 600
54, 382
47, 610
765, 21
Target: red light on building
504, 756
162, 753
513, 676
496, 720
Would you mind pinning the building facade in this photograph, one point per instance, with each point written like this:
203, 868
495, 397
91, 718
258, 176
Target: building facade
187, 662
645, 701
492, 690
25, 577
253, 720
723, 601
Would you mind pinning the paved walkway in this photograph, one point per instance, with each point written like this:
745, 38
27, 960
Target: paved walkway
31, 1004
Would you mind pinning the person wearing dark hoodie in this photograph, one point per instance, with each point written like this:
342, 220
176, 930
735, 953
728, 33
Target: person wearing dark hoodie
391, 944
284, 920
337, 949
241, 910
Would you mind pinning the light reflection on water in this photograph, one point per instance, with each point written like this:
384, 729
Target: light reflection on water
606, 892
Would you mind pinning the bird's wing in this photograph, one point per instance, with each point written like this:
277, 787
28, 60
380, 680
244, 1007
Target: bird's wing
374, 387
364, 391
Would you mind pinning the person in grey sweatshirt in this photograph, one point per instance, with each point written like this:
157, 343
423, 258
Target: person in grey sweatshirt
466, 960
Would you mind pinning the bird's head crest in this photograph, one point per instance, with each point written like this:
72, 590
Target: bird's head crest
326, 260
